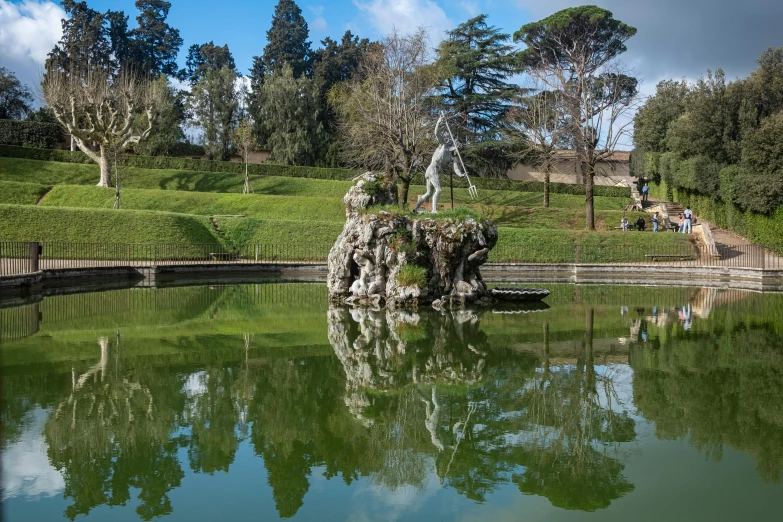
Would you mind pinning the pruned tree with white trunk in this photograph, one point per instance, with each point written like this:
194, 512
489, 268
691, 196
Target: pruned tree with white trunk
99, 111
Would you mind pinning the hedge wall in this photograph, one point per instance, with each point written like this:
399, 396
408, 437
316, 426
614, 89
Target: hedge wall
30, 133
268, 169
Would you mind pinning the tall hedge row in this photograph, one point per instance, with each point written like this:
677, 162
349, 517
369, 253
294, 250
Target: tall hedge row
764, 228
268, 169
30, 133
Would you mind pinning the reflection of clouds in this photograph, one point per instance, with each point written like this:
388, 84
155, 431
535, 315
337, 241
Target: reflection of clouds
378, 502
26, 468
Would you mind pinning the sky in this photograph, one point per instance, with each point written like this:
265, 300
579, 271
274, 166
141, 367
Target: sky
675, 39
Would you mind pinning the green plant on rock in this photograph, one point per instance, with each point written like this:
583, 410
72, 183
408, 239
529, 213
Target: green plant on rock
412, 275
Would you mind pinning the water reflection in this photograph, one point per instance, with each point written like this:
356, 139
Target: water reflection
130, 402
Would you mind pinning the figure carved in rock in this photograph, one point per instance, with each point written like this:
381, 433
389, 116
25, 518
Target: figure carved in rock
440, 159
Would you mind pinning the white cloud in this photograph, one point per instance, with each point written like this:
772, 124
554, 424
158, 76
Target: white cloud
319, 24
28, 31
406, 16
26, 468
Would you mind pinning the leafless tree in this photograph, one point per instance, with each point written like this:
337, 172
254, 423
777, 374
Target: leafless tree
245, 141
385, 111
99, 112
538, 121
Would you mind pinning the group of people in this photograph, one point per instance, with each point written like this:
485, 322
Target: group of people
685, 225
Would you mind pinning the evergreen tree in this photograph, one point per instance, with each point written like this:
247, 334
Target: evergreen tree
85, 44
476, 60
15, 97
203, 58
286, 43
156, 42
214, 103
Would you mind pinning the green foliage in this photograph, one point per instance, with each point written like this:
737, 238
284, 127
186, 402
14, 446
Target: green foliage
652, 121
475, 60
214, 104
412, 275
289, 117
15, 98
166, 137
12, 192
47, 224
30, 133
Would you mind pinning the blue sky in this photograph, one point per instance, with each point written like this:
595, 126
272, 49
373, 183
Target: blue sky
676, 38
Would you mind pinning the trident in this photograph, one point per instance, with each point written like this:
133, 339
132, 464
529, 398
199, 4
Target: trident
471, 187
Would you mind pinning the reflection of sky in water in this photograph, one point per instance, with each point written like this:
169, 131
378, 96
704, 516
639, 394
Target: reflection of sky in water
26, 469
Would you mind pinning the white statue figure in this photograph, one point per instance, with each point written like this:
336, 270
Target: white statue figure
441, 158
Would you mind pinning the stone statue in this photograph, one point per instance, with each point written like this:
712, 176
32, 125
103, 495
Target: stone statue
440, 159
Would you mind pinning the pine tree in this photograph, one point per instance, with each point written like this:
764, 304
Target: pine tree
286, 43
476, 60
157, 43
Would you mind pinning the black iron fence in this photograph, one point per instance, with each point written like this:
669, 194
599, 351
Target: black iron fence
23, 258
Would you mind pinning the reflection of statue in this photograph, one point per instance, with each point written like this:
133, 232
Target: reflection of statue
440, 159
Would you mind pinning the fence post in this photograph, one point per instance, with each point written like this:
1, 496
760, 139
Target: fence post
256, 245
576, 257
34, 254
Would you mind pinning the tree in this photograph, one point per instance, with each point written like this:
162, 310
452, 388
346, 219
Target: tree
385, 111
652, 120
203, 58
155, 42
289, 118
476, 60
286, 44
573, 51
99, 111
538, 121
167, 131
214, 102
84, 46
15, 98
332, 64
245, 142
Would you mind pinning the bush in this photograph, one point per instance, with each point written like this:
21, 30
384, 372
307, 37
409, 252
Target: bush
30, 133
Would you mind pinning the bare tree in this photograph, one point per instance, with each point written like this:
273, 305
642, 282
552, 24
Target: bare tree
99, 112
245, 141
538, 121
385, 111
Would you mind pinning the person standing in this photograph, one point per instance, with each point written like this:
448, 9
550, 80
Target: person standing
654, 220
640, 224
645, 191
624, 224
686, 225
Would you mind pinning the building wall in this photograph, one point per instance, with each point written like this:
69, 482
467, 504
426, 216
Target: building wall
567, 171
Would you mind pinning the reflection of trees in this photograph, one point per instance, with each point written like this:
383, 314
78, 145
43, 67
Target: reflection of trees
492, 414
722, 386
112, 433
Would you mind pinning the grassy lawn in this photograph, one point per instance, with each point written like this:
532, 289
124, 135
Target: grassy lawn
54, 173
76, 225
15, 193
556, 218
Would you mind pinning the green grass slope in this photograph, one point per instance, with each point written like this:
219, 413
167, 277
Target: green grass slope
45, 224
54, 173
15, 193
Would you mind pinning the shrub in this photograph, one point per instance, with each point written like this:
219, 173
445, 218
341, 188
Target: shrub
30, 133
412, 275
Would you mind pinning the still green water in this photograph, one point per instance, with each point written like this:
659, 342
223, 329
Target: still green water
259, 402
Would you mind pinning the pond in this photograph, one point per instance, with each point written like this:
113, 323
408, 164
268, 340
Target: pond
262, 401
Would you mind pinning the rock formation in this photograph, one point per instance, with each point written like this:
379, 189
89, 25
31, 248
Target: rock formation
367, 264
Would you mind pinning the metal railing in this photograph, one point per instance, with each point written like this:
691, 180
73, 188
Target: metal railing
23, 258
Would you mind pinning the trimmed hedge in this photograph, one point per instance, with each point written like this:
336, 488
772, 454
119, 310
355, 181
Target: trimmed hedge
764, 229
268, 169
15, 193
30, 133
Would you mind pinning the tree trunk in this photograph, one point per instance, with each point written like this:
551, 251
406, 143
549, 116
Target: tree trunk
587, 172
105, 163
404, 185
546, 188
